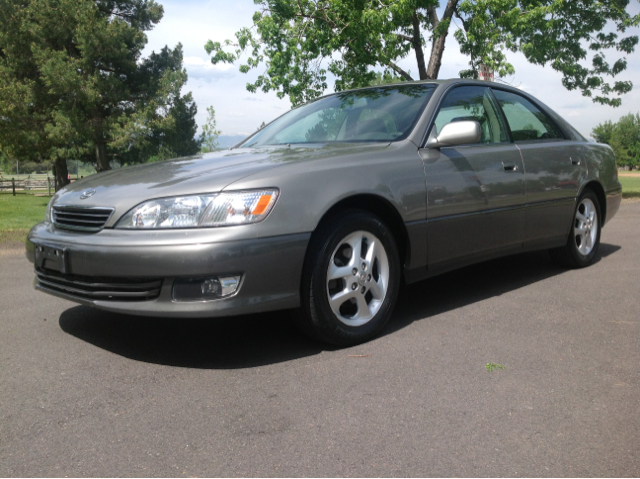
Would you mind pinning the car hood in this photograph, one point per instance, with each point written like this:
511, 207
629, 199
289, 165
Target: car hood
125, 188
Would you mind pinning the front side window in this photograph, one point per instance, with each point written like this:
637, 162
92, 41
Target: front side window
374, 114
472, 103
527, 122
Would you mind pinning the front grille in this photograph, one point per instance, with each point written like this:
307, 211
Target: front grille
96, 288
80, 218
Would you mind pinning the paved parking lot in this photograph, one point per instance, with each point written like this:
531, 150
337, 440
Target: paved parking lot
88, 393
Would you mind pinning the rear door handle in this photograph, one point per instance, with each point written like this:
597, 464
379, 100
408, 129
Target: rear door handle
509, 166
575, 162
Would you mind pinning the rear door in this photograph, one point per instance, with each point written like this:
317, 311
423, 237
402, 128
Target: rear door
475, 192
554, 168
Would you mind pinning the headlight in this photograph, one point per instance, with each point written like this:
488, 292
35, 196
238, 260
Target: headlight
223, 209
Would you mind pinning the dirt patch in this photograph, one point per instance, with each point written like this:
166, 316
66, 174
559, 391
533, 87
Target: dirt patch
12, 242
11, 252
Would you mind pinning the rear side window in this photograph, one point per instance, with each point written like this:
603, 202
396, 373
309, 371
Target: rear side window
527, 122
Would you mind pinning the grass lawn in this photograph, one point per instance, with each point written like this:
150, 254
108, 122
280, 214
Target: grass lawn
630, 186
18, 214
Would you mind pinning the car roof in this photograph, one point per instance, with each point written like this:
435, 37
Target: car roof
445, 82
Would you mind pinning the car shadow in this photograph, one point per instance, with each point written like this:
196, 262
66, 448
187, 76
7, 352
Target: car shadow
476, 283
269, 338
207, 343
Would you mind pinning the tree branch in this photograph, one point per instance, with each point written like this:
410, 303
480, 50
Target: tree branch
433, 17
417, 46
438, 41
404, 37
464, 22
399, 71
465, 28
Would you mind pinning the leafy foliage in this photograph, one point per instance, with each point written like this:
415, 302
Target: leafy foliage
8, 166
559, 33
167, 129
300, 41
210, 134
623, 137
386, 78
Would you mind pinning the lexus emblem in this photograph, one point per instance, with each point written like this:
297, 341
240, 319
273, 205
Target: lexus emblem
87, 194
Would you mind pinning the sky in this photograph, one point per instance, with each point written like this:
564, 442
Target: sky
239, 112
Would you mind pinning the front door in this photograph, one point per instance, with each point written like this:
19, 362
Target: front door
475, 192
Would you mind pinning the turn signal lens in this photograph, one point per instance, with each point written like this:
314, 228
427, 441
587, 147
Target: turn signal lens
236, 208
263, 204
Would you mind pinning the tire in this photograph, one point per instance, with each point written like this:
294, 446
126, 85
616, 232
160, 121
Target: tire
584, 238
357, 303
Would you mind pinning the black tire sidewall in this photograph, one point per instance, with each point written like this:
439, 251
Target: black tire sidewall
326, 323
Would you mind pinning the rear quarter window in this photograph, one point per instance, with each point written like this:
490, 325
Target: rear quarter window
526, 121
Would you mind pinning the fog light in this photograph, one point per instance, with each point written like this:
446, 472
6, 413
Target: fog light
211, 286
203, 289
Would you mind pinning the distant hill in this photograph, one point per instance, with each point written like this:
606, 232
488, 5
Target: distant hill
227, 141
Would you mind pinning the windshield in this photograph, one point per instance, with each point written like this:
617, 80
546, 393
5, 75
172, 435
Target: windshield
376, 114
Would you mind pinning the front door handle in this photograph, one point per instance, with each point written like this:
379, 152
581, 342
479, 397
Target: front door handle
509, 166
575, 162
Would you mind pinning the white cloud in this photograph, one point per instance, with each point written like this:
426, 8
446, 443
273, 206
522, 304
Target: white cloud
197, 62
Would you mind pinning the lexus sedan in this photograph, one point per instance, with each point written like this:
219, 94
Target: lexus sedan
331, 207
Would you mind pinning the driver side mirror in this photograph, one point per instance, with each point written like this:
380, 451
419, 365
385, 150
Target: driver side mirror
456, 133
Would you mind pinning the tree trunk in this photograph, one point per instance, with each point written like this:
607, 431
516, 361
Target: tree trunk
417, 46
61, 173
438, 43
435, 62
102, 162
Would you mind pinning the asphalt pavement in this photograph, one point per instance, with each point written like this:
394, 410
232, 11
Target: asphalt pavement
89, 393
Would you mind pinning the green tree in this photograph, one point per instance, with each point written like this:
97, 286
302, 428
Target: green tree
385, 78
173, 139
182, 138
166, 132
623, 137
210, 134
603, 132
27, 110
73, 83
300, 41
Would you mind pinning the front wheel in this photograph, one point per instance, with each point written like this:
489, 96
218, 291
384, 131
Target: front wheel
584, 237
350, 280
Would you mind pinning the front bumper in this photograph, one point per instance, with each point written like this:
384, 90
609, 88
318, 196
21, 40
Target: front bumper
270, 267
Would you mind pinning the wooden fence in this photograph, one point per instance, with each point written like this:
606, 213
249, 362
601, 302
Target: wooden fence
27, 183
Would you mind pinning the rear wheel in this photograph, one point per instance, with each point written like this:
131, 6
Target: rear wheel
350, 280
584, 237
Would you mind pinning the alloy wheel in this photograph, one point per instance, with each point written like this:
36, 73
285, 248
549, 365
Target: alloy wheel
585, 226
357, 278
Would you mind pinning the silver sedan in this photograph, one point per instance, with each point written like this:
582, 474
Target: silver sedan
331, 207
